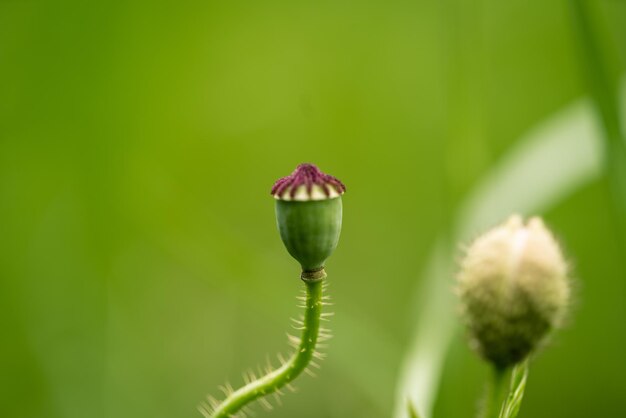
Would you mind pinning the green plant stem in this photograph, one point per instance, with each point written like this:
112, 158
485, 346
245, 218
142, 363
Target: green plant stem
292, 368
513, 402
495, 394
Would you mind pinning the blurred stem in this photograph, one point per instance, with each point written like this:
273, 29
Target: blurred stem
292, 368
603, 90
495, 394
519, 376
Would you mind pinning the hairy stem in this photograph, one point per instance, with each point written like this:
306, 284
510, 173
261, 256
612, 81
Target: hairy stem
292, 368
495, 393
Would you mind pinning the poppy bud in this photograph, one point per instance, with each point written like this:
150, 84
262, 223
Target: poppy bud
308, 214
514, 289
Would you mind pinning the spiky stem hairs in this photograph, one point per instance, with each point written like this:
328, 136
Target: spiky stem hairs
308, 214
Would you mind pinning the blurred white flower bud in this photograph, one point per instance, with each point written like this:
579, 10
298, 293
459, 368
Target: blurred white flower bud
513, 288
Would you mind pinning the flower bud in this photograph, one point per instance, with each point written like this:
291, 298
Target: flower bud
514, 289
308, 214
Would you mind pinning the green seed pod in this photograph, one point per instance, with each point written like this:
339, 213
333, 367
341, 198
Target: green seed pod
308, 211
308, 214
514, 289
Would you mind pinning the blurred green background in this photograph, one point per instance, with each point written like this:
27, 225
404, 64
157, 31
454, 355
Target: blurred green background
140, 266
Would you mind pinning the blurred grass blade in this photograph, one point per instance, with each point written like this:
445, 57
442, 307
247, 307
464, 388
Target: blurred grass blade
603, 88
513, 401
536, 160
412, 411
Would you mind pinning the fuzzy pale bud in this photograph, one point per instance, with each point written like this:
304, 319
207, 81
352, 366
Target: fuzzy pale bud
514, 289
308, 214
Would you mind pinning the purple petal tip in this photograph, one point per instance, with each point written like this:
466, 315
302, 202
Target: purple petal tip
307, 175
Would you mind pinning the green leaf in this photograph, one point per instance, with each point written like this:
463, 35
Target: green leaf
603, 88
412, 411
513, 401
